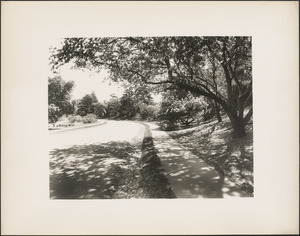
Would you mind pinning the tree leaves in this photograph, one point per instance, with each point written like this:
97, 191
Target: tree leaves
59, 94
208, 66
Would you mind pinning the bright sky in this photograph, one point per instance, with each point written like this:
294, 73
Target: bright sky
87, 81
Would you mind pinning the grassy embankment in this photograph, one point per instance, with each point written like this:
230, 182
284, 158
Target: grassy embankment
213, 143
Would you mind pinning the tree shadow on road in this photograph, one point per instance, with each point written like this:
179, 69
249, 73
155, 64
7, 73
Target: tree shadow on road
153, 177
233, 158
191, 176
110, 170
90, 171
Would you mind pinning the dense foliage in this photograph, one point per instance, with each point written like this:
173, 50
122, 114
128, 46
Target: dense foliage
180, 108
89, 118
219, 68
59, 96
135, 103
53, 113
89, 105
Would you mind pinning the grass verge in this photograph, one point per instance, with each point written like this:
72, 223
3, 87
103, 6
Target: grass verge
213, 143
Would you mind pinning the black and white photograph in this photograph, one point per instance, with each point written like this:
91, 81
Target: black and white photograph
151, 117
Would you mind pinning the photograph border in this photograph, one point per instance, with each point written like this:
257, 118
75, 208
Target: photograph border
27, 31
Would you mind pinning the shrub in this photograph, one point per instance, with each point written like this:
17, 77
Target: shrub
168, 125
89, 118
53, 113
181, 110
72, 119
148, 112
78, 118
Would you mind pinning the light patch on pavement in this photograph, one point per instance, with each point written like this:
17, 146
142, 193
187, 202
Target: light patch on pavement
112, 131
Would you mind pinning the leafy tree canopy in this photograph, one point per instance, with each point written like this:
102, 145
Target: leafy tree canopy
53, 113
59, 94
89, 105
181, 107
219, 68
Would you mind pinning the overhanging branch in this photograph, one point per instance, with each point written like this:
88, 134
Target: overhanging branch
144, 79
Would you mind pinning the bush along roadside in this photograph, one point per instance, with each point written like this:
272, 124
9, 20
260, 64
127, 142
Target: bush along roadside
89, 118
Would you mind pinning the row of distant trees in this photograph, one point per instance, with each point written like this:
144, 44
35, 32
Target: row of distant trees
60, 103
178, 108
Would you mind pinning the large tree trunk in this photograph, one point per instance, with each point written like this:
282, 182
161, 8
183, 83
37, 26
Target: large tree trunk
237, 121
238, 126
238, 129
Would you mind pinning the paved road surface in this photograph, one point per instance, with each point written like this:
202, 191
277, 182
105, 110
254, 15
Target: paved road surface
111, 131
85, 163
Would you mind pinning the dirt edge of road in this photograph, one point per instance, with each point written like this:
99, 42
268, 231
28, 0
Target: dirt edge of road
145, 178
153, 177
77, 127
